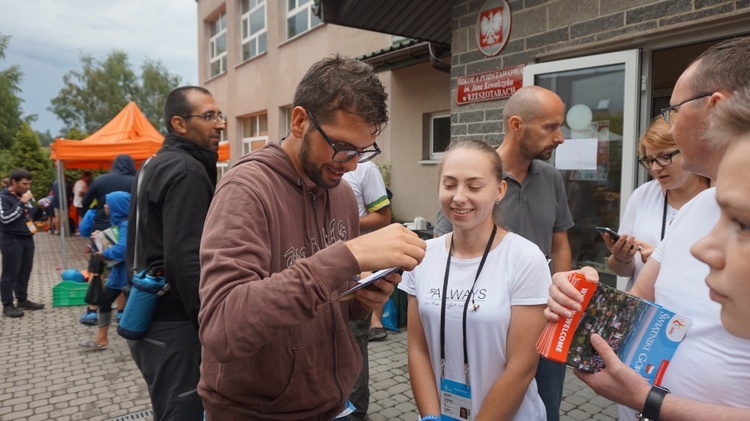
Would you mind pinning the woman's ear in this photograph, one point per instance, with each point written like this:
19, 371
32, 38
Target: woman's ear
501, 190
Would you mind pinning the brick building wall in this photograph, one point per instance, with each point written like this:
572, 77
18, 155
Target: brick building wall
564, 29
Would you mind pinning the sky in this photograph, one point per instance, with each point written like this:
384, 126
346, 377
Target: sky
49, 36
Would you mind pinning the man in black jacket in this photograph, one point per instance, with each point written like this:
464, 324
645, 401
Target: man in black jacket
170, 199
17, 243
119, 178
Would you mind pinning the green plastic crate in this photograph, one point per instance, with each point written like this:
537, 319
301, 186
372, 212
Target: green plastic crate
69, 293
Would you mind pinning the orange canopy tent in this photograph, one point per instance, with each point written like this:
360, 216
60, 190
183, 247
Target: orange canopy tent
129, 132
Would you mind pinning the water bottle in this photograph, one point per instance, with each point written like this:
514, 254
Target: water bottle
148, 286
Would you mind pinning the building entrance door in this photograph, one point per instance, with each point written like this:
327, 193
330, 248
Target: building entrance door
597, 160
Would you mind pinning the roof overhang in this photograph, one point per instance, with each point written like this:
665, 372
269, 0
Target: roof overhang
407, 53
426, 20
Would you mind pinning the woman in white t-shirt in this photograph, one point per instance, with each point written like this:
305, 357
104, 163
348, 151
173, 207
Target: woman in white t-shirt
653, 206
475, 302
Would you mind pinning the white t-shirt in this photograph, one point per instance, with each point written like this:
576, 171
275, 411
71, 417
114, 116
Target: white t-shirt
643, 218
515, 273
710, 365
79, 187
368, 186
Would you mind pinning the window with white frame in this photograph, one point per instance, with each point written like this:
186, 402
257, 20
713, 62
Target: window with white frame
286, 115
440, 134
254, 132
217, 45
299, 17
221, 169
253, 24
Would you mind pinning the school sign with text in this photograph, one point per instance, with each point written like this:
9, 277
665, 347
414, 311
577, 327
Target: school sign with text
489, 86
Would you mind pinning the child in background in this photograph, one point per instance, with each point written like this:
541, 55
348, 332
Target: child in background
118, 207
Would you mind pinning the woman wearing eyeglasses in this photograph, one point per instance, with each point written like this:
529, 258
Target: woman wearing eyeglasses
654, 205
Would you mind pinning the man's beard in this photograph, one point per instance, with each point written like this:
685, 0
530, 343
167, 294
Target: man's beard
529, 153
315, 174
544, 155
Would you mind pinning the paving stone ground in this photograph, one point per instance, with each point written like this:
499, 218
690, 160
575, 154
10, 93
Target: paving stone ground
44, 375
391, 397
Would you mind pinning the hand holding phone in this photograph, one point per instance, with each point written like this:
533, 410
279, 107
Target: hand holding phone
364, 283
615, 236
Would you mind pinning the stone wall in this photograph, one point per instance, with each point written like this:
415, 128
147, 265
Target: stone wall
578, 27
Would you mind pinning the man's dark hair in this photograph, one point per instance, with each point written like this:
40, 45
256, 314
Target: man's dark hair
343, 83
723, 66
19, 174
177, 104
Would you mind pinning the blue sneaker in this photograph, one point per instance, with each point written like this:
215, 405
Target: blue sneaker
119, 315
89, 317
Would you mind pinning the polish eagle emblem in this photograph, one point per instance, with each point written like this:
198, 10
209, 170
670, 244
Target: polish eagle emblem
491, 27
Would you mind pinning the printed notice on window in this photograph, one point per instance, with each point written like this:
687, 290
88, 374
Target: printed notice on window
577, 154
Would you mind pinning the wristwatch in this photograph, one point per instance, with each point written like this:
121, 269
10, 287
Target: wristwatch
652, 407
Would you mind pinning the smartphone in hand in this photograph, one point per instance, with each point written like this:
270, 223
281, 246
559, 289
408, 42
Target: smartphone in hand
615, 236
364, 283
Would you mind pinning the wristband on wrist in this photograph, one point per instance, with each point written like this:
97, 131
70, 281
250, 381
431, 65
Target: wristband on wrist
625, 262
652, 407
430, 418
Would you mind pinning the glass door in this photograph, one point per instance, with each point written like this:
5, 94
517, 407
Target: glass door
598, 159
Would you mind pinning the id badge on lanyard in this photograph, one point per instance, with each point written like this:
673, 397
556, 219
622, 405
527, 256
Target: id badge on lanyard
455, 400
29, 223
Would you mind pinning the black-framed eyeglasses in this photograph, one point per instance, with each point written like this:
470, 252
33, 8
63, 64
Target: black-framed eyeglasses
210, 116
669, 112
663, 160
341, 155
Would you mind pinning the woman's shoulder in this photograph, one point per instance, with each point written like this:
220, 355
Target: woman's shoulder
650, 188
434, 244
523, 262
520, 250
647, 195
517, 242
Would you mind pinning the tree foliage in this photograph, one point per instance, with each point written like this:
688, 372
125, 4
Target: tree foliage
156, 83
92, 96
5, 162
10, 102
76, 134
45, 137
28, 153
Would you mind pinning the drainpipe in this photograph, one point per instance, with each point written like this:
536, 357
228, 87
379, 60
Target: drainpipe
435, 61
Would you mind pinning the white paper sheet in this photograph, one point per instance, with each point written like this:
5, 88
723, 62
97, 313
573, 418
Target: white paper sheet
577, 154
